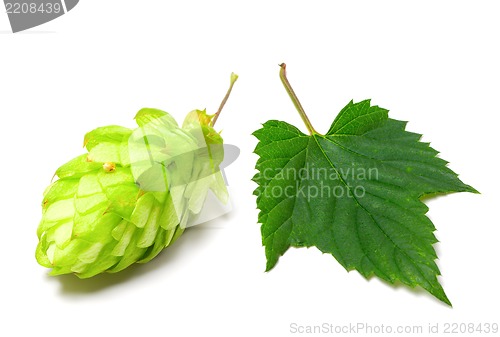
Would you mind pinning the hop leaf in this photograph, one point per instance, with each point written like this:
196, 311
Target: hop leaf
131, 195
353, 193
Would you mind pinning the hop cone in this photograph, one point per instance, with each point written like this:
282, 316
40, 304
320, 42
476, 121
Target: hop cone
131, 195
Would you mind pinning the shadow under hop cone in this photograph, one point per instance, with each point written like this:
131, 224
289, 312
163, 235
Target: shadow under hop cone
28, 14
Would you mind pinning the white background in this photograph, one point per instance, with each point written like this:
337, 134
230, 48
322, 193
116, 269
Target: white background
433, 63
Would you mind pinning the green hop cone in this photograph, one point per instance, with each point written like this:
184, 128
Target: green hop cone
132, 194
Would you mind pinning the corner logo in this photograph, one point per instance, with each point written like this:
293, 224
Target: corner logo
26, 14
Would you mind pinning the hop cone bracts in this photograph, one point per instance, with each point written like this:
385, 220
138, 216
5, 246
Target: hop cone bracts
131, 195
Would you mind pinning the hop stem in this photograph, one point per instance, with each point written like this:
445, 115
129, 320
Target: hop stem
234, 78
295, 99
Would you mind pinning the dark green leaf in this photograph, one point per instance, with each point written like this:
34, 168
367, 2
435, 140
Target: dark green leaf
353, 193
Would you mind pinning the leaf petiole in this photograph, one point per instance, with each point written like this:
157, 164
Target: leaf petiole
295, 99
